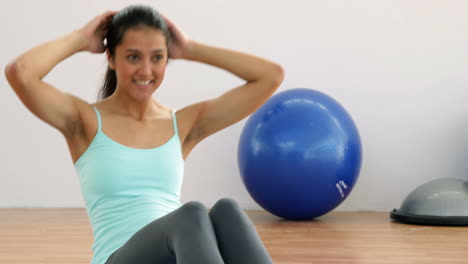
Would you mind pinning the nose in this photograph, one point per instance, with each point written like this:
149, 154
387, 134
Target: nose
145, 68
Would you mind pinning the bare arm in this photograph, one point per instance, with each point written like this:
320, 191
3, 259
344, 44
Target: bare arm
26, 72
262, 78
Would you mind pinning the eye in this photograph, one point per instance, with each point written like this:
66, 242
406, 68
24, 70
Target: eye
132, 58
158, 57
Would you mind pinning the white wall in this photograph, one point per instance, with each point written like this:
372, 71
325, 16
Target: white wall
399, 67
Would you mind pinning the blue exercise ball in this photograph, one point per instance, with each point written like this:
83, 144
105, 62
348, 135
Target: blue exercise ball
300, 154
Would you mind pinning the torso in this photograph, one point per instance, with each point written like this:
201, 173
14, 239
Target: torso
152, 132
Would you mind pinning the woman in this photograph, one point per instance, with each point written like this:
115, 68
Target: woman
129, 149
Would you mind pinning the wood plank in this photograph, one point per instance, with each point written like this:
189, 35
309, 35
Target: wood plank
360, 237
64, 236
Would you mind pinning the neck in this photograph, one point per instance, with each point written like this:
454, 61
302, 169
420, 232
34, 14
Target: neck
139, 110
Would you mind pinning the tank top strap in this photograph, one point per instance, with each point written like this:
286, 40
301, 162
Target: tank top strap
174, 120
98, 115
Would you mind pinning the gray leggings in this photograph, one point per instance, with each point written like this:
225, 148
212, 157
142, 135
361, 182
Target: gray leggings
193, 235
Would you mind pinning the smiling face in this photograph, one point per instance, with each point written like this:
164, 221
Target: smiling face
140, 62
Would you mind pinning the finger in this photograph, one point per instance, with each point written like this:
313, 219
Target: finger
101, 48
106, 18
168, 21
109, 14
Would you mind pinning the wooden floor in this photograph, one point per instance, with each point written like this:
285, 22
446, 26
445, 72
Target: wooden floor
63, 236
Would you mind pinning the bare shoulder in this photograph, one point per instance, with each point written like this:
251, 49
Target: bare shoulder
85, 120
186, 120
82, 129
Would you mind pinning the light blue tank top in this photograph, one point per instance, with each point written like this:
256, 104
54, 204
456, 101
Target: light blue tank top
126, 188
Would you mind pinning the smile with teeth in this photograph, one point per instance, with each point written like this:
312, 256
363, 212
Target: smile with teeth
143, 83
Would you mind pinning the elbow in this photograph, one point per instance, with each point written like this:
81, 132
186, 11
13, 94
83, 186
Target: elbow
276, 76
14, 73
10, 71
279, 74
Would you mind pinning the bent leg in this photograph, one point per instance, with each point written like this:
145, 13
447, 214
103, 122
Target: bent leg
237, 238
183, 236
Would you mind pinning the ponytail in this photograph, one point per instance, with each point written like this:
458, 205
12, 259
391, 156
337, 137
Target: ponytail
109, 84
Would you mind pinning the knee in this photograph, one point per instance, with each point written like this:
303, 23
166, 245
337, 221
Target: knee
193, 209
194, 214
226, 205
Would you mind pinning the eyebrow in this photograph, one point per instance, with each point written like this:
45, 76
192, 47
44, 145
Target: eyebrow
138, 51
